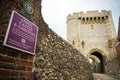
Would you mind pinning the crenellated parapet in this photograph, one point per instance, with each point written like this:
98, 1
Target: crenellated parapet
94, 19
72, 16
90, 16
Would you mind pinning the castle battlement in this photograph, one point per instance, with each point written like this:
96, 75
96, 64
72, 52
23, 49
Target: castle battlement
103, 14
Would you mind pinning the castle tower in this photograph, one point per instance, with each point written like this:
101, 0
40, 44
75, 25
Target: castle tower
93, 34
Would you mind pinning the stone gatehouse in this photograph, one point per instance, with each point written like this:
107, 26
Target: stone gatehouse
93, 34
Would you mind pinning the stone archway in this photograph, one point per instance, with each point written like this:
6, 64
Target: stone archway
98, 62
97, 59
98, 55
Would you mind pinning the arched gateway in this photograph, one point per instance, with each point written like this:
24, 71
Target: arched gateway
97, 61
97, 58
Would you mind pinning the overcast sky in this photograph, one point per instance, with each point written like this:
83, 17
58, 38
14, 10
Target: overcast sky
55, 12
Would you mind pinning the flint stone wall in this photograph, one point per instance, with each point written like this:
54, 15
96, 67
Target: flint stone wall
56, 59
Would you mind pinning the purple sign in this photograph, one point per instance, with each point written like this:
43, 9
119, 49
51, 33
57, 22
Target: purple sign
21, 34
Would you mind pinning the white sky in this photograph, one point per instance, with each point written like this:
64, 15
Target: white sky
55, 12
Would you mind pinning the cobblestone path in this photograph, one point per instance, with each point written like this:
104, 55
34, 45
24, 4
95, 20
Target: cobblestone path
97, 76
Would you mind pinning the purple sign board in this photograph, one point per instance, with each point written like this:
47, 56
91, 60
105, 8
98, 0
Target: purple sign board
21, 34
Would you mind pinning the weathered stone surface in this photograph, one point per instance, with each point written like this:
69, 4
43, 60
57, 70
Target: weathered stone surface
58, 60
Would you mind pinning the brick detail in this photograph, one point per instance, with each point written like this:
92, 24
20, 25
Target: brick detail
5, 73
3, 51
9, 66
30, 78
25, 74
21, 68
13, 54
29, 68
6, 59
1, 38
11, 78
30, 58
24, 56
15, 73
14, 64
26, 63
1, 64
118, 52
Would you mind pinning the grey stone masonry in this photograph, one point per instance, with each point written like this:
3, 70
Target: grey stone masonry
58, 60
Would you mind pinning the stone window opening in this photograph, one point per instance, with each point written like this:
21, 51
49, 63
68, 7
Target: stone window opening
110, 43
83, 44
91, 18
92, 26
87, 19
83, 19
73, 42
102, 18
98, 18
106, 17
79, 18
95, 18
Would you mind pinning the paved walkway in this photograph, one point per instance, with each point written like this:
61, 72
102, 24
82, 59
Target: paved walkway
98, 76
